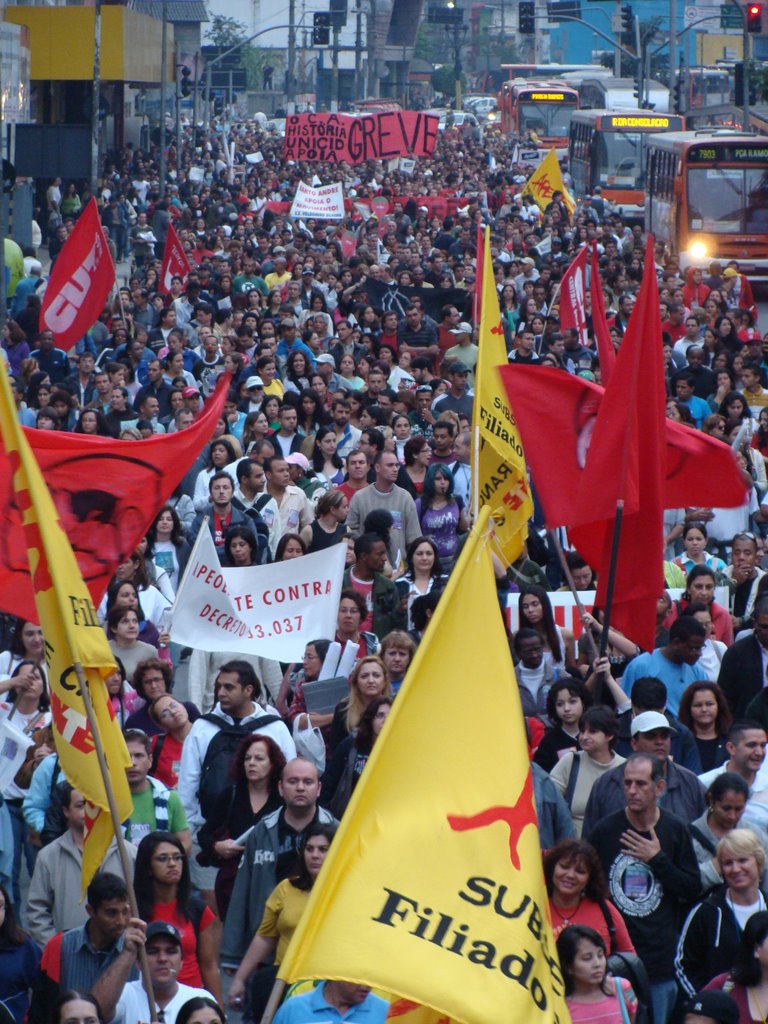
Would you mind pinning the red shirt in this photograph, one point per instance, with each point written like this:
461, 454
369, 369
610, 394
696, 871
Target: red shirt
169, 762
190, 968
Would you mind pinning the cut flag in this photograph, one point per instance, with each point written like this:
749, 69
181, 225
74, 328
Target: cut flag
460, 923
499, 477
175, 262
106, 494
80, 281
546, 179
605, 349
72, 635
573, 298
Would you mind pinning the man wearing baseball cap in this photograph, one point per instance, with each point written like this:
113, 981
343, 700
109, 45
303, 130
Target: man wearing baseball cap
464, 350
126, 1002
711, 1007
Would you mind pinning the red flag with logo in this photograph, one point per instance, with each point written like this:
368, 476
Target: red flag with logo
573, 297
106, 493
175, 262
80, 281
605, 349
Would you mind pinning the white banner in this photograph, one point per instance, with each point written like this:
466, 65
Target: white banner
269, 610
567, 615
324, 203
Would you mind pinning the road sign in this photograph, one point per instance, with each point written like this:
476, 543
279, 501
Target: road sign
730, 16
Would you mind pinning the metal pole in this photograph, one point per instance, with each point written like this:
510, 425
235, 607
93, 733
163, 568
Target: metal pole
335, 71
290, 84
358, 49
672, 48
196, 92
457, 64
177, 76
163, 77
617, 51
746, 70
95, 122
373, 90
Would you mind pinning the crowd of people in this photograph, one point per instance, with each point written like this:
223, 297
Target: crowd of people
352, 349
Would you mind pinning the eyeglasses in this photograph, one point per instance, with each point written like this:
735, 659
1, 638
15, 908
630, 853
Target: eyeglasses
169, 858
745, 535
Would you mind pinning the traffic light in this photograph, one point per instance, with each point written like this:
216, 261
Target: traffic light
754, 17
321, 28
680, 95
527, 18
738, 86
186, 84
627, 19
338, 14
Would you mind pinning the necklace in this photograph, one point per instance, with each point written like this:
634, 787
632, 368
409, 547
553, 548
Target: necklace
761, 1013
566, 919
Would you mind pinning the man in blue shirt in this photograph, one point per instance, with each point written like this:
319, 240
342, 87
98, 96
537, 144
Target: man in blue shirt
334, 1001
675, 664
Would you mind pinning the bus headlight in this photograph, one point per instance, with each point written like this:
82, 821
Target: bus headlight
698, 250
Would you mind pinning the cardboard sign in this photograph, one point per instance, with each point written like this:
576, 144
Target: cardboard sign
354, 140
324, 203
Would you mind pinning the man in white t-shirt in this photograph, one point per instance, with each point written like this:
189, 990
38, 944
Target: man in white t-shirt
126, 1003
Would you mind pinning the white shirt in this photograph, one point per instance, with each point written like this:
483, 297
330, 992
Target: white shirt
134, 1005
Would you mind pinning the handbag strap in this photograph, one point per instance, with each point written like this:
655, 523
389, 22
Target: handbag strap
622, 1001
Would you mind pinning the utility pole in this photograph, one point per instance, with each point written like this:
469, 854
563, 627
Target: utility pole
335, 71
196, 90
95, 111
672, 47
290, 80
177, 75
617, 51
163, 83
358, 49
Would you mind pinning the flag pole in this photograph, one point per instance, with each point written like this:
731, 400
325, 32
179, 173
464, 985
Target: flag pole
555, 541
122, 848
275, 998
611, 575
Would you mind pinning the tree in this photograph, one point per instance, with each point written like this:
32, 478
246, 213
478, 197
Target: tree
444, 80
223, 31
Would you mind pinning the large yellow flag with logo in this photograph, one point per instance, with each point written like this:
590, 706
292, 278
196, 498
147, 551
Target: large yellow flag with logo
72, 634
499, 477
546, 179
433, 887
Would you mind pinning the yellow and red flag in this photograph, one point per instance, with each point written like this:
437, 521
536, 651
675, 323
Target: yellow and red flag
433, 887
72, 635
546, 179
499, 477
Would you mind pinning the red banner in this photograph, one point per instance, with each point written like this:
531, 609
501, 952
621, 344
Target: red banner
80, 281
354, 140
573, 302
175, 262
106, 493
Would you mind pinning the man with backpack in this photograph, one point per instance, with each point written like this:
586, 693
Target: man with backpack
252, 500
210, 746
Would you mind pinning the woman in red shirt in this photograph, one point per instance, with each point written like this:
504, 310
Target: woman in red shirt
162, 884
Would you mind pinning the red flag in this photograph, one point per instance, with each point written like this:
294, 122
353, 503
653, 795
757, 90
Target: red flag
556, 414
80, 281
605, 349
175, 262
573, 297
623, 466
106, 493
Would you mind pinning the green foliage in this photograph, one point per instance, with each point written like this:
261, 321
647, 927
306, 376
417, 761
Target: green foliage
223, 31
444, 80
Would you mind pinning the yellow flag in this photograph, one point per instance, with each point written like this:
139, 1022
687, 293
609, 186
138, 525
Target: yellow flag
72, 634
546, 179
433, 887
499, 478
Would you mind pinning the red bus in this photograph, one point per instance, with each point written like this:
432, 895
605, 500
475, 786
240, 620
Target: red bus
541, 108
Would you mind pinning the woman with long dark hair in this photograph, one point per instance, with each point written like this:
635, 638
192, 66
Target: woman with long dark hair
326, 461
536, 613
351, 756
163, 893
167, 546
19, 961
282, 913
704, 710
255, 771
441, 515
591, 993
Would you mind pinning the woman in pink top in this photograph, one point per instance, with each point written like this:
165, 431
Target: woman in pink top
592, 995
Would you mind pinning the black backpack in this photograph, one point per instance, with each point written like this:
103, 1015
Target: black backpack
215, 780
631, 967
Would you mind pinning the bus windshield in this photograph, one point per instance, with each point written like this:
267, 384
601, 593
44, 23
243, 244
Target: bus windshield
728, 200
548, 119
621, 159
